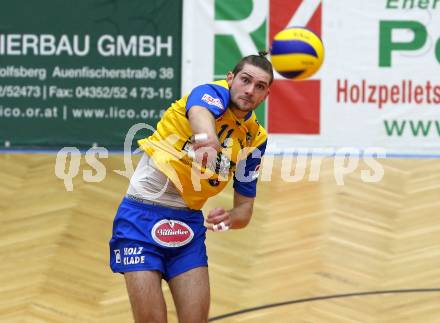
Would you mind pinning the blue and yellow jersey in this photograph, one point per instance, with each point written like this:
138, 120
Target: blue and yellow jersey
243, 144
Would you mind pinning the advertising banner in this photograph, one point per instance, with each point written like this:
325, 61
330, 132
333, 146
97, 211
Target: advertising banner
379, 86
83, 72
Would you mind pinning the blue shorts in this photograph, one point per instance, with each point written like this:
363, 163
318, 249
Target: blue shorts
151, 237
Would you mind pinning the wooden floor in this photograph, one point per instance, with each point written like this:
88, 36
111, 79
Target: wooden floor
308, 239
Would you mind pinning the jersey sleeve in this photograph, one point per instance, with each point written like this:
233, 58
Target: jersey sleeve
211, 96
247, 171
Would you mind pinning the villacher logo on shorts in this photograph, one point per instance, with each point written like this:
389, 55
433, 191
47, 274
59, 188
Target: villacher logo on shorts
172, 233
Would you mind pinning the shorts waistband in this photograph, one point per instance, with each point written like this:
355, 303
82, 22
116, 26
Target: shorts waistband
152, 203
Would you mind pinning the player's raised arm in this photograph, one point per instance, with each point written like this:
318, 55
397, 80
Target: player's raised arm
202, 123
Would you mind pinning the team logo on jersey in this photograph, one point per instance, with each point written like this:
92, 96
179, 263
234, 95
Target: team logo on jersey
214, 182
172, 233
211, 101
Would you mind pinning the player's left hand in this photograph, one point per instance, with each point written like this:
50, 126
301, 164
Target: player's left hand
218, 220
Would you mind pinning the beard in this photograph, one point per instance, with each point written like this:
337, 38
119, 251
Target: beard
243, 104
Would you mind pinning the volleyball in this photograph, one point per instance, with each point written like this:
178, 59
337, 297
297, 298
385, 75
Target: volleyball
297, 53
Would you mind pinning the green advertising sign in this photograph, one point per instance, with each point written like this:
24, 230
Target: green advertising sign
81, 73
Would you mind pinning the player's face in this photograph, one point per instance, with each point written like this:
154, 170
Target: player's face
248, 89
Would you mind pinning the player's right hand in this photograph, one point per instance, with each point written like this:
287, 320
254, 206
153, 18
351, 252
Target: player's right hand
205, 148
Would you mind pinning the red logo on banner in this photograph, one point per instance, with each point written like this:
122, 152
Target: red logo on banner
171, 233
294, 106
